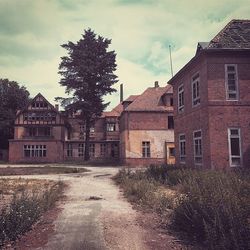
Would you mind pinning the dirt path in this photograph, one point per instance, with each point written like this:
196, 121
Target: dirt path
94, 215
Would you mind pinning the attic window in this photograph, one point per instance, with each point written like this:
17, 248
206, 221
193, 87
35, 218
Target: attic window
39, 104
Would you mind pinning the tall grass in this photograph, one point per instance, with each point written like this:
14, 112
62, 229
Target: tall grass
25, 209
212, 207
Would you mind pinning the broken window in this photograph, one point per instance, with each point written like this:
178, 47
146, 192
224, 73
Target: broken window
197, 139
234, 147
196, 90
231, 82
182, 147
146, 149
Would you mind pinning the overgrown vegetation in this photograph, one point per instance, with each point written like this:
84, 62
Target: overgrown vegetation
212, 208
26, 205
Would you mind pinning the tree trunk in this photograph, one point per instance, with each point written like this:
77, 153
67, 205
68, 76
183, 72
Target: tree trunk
87, 134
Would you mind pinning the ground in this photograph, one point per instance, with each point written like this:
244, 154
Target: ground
95, 215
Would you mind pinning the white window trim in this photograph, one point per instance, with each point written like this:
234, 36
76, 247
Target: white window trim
229, 147
147, 149
198, 163
226, 83
192, 83
180, 108
181, 140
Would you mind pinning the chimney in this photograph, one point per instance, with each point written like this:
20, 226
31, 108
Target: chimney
156, 84
121, 92
57, 107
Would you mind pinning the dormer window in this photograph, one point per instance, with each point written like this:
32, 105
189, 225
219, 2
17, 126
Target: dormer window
111, 127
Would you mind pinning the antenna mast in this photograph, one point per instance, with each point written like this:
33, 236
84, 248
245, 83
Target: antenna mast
171, 60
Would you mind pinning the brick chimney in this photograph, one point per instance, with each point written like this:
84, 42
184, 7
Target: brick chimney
121, 92
156, 84
57, 107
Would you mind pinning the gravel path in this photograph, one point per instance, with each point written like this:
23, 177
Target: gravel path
94, 215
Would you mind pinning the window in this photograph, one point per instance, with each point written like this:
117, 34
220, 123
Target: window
181, 98
196, 90
35, 150
197, 139
103, 149
39, 131
69, 150
182, 147
146, 149
111, 127
170, 122
80, 150
231, 82
171, 152
234, 147
114, 150
92, 150
92, 129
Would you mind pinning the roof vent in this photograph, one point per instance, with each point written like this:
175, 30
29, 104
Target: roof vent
156, 84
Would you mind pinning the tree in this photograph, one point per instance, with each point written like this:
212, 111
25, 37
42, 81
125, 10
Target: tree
12, 98
87, 74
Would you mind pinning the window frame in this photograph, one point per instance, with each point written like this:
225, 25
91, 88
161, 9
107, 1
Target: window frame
35, 151
196, 81
146, 149
81, 149
172, 127
194, 139
236, 82
181, 156
230, 148
181, 92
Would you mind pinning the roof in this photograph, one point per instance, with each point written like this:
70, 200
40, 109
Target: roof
235, 35
150, 100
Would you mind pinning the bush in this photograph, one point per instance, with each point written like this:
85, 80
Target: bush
215, 210
24, 210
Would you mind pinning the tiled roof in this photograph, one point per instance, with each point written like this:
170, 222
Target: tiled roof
150, 100
235, 35
116, 111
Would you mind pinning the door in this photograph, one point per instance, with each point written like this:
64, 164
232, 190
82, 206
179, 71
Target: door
170, 153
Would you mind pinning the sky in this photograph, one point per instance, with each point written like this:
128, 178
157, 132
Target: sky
31, 32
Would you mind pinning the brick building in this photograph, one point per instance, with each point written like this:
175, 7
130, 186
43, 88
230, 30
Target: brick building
212, 101
43, 134
146, 127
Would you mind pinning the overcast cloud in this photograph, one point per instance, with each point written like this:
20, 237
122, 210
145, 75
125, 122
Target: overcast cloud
31, 32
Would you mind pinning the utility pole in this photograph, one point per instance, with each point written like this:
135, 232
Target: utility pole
171, 66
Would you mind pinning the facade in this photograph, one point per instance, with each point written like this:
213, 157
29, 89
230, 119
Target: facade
138, 131
212, 102
146, 128
43, 134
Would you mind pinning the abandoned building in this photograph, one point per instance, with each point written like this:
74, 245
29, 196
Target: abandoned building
212, 102
147, 128
44, 134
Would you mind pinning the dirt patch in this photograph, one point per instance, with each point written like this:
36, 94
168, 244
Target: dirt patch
40, 170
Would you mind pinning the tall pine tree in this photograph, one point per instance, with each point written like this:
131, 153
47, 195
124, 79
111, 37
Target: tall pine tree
87, 74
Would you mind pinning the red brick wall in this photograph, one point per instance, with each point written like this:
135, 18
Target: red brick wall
215, 115
144, 120
142, 162
54, 151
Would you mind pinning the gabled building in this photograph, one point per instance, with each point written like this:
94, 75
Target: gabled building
39, 133
212, 102
147, 128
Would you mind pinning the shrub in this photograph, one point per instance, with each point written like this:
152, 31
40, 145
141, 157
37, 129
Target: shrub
24, 210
